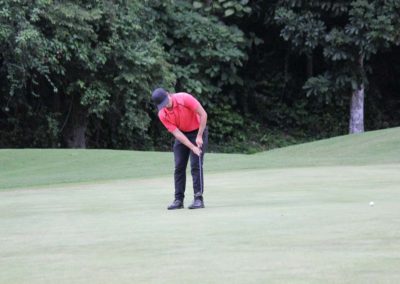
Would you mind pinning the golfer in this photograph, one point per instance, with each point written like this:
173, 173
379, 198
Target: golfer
186, 119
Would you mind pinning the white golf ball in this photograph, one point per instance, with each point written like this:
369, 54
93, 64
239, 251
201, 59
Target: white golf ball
371, 203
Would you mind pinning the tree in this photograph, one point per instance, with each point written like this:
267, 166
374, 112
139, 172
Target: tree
81, 63
349, 32
23, 64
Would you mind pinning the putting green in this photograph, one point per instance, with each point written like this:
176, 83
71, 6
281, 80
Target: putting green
309, 222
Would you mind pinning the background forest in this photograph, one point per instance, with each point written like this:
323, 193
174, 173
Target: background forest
79, 74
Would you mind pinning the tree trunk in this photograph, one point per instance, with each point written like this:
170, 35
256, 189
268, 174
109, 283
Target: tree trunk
357, 111
356, 124
75, 132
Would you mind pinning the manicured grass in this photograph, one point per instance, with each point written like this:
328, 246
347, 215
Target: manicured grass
294, 215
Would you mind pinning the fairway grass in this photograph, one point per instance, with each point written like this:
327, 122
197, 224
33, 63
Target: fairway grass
292, 215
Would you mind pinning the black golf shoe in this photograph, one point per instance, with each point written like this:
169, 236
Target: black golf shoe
197, 203
177, 204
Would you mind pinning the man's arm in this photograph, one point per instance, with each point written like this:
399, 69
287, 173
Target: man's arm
185, 141
203, 122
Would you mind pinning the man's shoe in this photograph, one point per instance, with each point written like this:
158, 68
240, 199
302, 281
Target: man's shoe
197, 203
177, 204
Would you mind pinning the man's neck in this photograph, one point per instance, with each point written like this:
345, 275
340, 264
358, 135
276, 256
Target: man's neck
172, 104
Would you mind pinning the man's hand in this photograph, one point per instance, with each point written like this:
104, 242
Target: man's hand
196, 150
199, 141
185, 141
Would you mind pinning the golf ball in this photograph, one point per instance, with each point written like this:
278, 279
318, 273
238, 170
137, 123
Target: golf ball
371, 203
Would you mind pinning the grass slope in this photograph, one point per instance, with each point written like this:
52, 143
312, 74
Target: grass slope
294, 215
35, 167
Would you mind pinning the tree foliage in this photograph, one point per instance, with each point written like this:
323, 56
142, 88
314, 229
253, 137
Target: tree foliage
80, 62
347, 31
80, 73
89, 66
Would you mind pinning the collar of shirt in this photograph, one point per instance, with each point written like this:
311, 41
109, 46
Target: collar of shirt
172, 114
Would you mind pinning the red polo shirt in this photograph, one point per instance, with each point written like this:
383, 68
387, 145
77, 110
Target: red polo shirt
182, 115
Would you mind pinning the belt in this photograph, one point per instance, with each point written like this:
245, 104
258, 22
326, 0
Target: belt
191, 132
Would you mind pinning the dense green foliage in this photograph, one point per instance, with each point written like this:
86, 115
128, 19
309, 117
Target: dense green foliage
67, 66
269, 73
349, 33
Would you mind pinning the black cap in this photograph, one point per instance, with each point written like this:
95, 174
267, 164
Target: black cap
160, 98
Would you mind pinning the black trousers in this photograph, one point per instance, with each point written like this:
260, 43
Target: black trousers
181, 157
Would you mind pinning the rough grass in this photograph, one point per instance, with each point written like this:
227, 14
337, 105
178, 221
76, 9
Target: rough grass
35, 167
294, 215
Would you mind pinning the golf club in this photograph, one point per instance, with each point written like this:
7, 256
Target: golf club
198, 194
